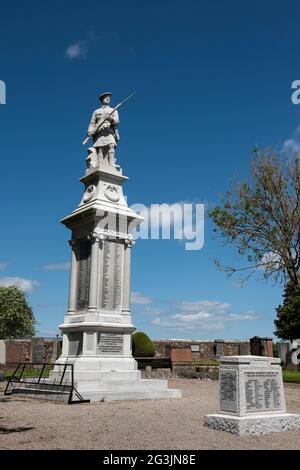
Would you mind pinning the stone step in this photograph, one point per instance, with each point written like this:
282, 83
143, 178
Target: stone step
92, 375
131, 395
121, 385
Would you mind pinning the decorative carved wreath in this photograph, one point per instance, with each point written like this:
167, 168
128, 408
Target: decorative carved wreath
89, 193
111, 192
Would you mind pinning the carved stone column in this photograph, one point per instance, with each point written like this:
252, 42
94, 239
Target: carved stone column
73, 278
93, 291
126, 276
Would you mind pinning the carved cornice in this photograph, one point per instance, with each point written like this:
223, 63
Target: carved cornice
102, 234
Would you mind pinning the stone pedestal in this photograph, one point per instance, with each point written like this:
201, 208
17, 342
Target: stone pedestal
251, 397
97, 328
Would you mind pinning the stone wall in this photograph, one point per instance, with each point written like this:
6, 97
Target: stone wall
13, 351
17, 350
203, 350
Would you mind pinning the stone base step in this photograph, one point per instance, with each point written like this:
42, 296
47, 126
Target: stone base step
255, 424
131, 395
121, 385
93, 375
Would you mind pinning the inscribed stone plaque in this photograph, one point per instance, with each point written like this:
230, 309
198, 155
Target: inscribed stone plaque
83, 269
262, 391
76, 319
110, 343
195, 347
112, 275
228, 390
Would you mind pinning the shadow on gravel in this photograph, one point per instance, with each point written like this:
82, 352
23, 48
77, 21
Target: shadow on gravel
5, 430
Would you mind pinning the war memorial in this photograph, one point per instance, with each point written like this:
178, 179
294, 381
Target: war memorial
98, 326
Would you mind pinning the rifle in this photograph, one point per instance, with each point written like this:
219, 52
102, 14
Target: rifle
106, 117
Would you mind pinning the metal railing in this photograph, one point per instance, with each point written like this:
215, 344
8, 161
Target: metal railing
40, 385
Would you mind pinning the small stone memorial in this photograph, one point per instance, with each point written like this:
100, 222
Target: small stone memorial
252, 397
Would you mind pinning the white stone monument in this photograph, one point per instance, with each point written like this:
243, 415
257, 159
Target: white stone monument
98, 326
252, 397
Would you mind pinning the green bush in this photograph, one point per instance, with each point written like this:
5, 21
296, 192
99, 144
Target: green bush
142, 345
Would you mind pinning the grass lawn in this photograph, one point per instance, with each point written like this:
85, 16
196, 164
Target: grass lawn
291, 375
28, 373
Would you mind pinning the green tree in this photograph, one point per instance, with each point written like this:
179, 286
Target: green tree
16, 316
288, 314
261, 218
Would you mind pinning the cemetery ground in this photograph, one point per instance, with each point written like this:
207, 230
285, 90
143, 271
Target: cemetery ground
147, 424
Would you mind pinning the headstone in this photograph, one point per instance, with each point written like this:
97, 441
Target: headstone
37, 350
256, 346
252, 397
219, 347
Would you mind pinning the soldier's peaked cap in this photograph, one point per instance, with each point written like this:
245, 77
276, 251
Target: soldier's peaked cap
107, 93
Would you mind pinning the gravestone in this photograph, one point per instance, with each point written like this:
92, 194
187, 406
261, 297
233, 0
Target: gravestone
219, 347
98, 326
37, 350
251, 397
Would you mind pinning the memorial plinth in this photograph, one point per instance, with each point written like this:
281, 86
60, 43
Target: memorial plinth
252, 397
98, 326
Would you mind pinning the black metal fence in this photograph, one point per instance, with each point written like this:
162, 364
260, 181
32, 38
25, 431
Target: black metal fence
34, 378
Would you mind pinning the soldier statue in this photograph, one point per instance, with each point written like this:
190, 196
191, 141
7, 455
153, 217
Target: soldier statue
103, 130
106, 136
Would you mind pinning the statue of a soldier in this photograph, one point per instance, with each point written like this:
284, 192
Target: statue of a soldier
106, 136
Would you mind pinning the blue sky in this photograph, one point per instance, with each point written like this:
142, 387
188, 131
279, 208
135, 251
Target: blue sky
213, 79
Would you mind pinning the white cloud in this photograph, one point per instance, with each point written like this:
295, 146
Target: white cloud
204, 306
201, 315
270, 260
138, 298
27, 285
3, 265
152, 311
293, 144
57, 267
78, 50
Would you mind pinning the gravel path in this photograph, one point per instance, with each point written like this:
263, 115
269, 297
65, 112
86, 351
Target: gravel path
158, 424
